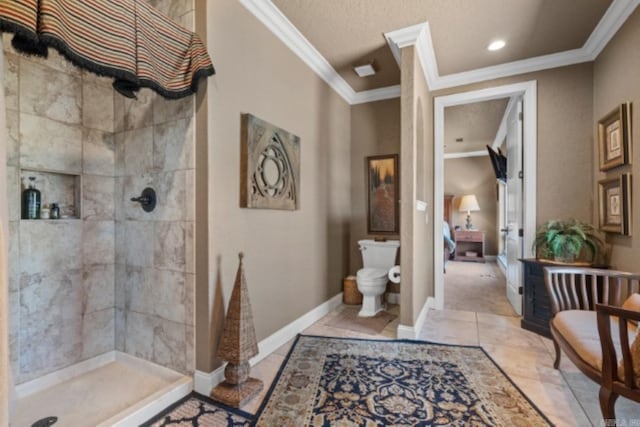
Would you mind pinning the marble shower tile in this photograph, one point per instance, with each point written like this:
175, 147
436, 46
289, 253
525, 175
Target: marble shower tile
49, 246
98, 197
49, 93
133, 186
190, 349
98, 288
89, 77
139, 291
119, 199
98, 243
188, 20
50, 321
98, 332
155, 292
120, 329
190, 195
48, 144
118, 146
14, 327
190, 299
54, 61
98, 152
13, 256
14, 193
160, 341
174, 245
139, 243
120, 242
138, 113
97, 107
172, 196
166, 110
138, 151
174, 145
13, 137
11, 73
120, 285
118, 111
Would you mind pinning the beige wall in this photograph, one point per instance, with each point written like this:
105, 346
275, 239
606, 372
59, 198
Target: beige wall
375, 130
416, 234
616, 81
294, 260
565, 138
474, 175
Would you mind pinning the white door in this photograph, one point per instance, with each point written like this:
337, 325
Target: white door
514, 206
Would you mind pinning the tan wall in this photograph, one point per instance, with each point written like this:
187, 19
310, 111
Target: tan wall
616, 81
565, 138
417, 184
474, 175
375, 130
294, 260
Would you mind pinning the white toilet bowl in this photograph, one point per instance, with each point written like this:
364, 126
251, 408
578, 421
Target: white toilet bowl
372, 282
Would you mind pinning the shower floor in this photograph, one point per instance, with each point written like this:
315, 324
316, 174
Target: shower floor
126, 391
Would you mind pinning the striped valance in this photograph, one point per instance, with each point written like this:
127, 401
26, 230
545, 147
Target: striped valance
128, 40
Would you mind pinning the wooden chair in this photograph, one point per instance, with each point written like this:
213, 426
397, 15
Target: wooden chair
593, 331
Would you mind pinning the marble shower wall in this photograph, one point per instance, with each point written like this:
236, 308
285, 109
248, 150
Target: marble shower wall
155, 280
62, 301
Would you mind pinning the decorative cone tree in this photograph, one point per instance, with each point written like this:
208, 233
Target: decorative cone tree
237, 346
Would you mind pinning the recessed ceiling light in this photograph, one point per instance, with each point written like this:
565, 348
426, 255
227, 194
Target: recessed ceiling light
365, 70
496, 45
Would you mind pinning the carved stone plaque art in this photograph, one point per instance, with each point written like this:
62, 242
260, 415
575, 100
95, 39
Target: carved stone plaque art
269, 166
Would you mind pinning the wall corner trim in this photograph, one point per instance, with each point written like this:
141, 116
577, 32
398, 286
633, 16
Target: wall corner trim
412, 332
204, 382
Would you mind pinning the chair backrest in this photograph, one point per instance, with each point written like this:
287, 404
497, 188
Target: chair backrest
577, 288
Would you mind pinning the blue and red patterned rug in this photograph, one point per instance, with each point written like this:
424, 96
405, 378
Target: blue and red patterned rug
338, 381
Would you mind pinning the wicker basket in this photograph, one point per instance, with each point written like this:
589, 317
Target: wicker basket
351, 295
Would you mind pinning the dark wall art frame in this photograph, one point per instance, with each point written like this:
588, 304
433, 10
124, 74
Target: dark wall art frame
383, 192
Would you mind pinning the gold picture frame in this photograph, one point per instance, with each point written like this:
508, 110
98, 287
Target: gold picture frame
614, 136
383, 193
614, 199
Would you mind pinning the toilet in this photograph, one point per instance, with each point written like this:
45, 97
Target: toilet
378, 258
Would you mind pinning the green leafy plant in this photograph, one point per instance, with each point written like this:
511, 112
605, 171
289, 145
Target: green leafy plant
570, 241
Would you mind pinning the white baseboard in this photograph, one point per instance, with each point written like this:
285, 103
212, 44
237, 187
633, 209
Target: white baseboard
412, 332
204, 382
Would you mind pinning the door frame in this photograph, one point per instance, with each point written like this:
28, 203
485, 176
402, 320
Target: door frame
529, 92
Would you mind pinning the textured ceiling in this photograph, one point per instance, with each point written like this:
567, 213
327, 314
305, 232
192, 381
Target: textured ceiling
350, 32
477, 124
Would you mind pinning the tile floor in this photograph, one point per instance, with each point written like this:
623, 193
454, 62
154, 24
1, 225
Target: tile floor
566, 397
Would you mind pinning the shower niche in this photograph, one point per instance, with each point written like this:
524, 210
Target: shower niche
60, 188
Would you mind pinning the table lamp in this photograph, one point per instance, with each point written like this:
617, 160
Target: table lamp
469, 203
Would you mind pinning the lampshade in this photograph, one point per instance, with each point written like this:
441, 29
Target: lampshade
469, 203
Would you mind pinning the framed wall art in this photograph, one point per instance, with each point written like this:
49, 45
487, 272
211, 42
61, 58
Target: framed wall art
614, 199
269, 166
382, 194
614, 136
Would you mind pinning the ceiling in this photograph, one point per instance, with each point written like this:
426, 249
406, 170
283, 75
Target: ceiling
351, 32
477, 124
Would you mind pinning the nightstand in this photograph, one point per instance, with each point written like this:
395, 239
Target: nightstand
469, 245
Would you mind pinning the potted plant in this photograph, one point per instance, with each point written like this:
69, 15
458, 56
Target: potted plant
570, 241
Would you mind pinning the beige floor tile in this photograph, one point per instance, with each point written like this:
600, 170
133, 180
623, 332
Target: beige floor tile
535, 365
469, 316
556, 402
506, 335
497, 320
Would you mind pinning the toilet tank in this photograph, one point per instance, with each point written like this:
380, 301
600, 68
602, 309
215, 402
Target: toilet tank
379, 254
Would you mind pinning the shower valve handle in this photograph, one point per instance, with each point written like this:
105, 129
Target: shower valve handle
147, 199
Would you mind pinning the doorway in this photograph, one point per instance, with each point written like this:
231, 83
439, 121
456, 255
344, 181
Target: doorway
526, 231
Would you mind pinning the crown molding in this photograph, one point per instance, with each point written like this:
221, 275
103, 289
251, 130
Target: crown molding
278, 24
419, 35
388, 92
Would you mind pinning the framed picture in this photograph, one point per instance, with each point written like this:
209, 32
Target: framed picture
614, 196
382, 194
614, 134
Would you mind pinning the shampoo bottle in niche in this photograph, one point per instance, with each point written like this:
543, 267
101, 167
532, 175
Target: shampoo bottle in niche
31, 200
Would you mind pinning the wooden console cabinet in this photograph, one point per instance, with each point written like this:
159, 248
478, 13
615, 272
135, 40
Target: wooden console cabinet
469, 242
536, 303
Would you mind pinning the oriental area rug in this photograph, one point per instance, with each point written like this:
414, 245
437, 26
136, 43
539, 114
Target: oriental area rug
353, 382
198, 410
